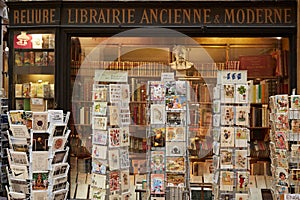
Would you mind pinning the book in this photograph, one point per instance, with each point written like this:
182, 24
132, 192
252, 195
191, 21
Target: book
37, 42
18, 90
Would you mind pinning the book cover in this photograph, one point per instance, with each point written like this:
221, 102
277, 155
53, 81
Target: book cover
124, 159
175, 134
28, 59
40, 141
114, 181
175, 179
157, 183
113, 159
124, 136
114, 137
99, 152
38, 57
19, 58
157, 91
227, 115
241, 160
26, 89
18, 90
113, 115
100, 137
158, 114
227, 137
242, 115
39, 121
40, 160
125, 180
175, 164
175, 148
99, 108
99, 166
51, 58
99, 123
157, 161
40, 180
226, 180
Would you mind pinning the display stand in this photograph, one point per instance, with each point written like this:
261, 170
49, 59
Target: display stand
37, 154
231, 136
4, 143
168, 158
110, 124
285, 145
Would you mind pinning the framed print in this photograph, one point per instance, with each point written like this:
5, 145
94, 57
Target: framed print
40, 180
39, 121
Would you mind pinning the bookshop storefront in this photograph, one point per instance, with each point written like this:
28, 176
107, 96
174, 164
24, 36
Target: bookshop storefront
150, 113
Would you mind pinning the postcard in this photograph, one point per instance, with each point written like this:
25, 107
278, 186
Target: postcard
227, 115
40, 141
40, 160
175, 179
58, 143
20, 185
226, 180
125, 93
60, 156
60, 169
114, 137
176, 102
157, 183
295, 102
99, 152
19, 171
227, 93
114, 181
175, 164
113, 115
125, 180
37, 195
124, 136
295, 126
58, 129
157, 161
99, 92
16, 117
18, 144
241, 160
242, 115
170, 88
115, 91
99, 123
124, 116
241, 93
157, 91
99, 166
158, 114
175, 134
280, 140
242, 136
176, 118
175, 148
99, 108
60, 183
100, 137
124, 158
39, 121
113, 159
19, 131
99, 181
18, 158
242, 181
60, 195
158, 136
40, 180
242, 196
226, 158
126, 196
282, 103
97, 193
181, 87
55, 116
227, 137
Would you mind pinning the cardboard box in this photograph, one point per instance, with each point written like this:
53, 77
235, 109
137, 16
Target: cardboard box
260, 65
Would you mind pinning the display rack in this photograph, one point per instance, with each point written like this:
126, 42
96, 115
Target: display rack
4, 144
110, 126
37, 154
284, 146
231, 136
168, 157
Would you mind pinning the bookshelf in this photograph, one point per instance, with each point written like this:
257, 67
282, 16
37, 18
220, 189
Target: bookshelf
34, 68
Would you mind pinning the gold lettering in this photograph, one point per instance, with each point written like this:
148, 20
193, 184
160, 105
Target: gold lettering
23, 12
16, 16
277, 15
45, 16
38, 17
144, 17
153, 14
28, 16
240, 16
229, 16
250, 16
162, 19
70, 21
259, 19
206, 16
116, 14
177, 16
186, 15
131, 19
197, 15
268, 16
83, 16
287, 16
52, 15
93, 14
76, 16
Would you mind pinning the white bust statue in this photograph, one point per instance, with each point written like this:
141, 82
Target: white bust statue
180, 63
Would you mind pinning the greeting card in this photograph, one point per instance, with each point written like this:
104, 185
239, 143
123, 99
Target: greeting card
114, 181
157, 160
226, 180
124, 136
227, 93
100, 137
227, 115
157, 183
242, 116
157, 91
226, 158
113, 115
99, 108
175, 134
241, 93
113, 159
114, 137
227, 137
158, 114
241, 160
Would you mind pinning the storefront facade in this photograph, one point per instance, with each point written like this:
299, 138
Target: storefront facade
138, 39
